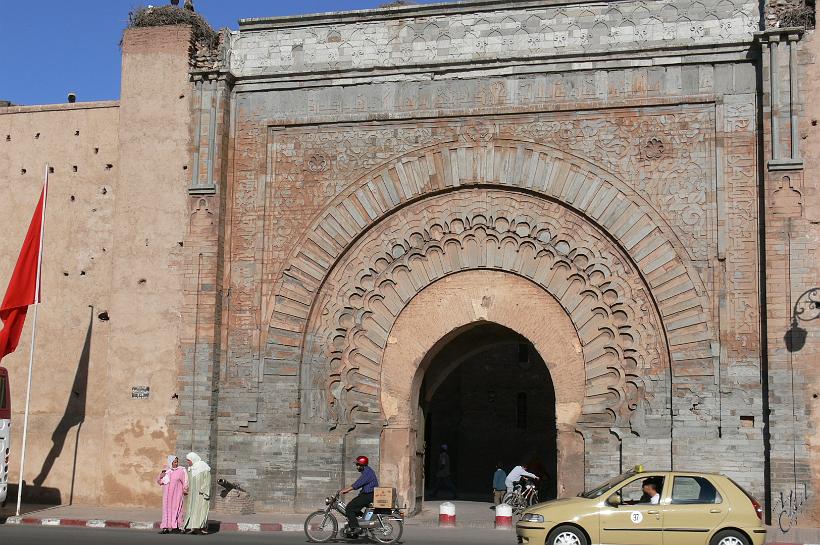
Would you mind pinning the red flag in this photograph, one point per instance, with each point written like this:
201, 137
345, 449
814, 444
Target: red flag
24, 286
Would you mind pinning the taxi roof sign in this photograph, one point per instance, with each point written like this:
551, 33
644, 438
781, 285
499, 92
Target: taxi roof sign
639, 468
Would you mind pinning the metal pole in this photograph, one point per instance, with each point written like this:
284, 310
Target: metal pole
31, 349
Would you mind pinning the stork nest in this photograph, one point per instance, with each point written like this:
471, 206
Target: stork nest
802, 16
174, 15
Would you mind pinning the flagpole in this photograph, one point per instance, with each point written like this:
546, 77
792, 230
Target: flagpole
31, 350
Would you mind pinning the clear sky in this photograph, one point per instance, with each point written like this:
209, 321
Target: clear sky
51, 47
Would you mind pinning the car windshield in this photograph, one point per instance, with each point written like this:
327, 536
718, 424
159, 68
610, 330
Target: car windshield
600, 489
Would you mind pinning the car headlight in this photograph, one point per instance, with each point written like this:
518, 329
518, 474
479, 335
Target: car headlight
532, 517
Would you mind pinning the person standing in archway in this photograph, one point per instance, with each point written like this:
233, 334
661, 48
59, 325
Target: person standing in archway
499, 484
443, 474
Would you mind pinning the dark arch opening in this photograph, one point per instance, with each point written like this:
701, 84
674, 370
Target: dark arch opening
487, 394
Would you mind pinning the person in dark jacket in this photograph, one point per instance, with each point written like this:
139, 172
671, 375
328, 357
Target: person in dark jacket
499, 486
366, 484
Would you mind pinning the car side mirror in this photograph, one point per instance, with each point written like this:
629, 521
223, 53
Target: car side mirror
614, 500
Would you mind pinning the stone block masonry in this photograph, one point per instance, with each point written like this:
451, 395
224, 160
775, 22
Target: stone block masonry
348, 197
338, 124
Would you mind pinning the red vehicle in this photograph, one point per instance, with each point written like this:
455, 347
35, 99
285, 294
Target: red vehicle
5, 432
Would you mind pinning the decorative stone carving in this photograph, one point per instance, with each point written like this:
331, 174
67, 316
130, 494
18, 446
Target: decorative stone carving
654, 148
545, 242
500, 34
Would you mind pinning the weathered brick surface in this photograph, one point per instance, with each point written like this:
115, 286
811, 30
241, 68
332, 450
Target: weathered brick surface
342, 201
362, 185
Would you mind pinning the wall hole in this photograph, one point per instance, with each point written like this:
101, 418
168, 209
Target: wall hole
747, 421
51, 170
103, 316
109, 166
813, 122
96, 150
8, 138
76, 133
71, 198
82, 273
814, 396
74, 168
184, 167
22, 171
142, 281
65, 273
180, 243
104, 190
182, 96
37, 136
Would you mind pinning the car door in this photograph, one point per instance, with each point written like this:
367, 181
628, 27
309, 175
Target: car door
633, 521
694, 510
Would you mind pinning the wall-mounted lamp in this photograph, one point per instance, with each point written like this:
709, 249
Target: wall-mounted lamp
806, 308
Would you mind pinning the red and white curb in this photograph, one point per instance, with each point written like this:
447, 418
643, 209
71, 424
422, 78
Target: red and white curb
447, 515
503, 517
145, 525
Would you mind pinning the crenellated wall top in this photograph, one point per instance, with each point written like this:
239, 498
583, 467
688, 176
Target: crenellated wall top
478, 32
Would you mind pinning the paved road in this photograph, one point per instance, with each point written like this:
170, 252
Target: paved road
44, 535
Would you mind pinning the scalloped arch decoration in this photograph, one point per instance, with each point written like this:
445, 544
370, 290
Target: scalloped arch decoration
620, 334
600, 200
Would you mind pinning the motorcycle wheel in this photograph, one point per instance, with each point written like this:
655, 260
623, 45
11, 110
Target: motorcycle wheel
389, 533
321, 527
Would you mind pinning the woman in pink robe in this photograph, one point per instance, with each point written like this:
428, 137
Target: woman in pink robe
174, 482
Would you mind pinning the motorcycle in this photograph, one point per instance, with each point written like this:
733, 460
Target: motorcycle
381, 525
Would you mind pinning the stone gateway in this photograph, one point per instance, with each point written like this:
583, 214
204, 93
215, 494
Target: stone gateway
569, 235
399, 178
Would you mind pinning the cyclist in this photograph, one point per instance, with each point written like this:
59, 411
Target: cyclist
515, 475
366, 483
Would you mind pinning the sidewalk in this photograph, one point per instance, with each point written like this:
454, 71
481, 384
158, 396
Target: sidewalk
468, 515
147, 519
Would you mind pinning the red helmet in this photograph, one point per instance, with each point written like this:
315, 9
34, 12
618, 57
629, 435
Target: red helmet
362, 461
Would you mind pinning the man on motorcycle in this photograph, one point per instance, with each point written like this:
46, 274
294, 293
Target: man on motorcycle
367, 482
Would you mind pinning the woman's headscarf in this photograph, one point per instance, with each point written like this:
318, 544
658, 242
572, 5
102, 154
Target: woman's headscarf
167, 477
197, 465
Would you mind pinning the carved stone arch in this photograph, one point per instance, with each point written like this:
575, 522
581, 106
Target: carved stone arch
473, 229
589, 190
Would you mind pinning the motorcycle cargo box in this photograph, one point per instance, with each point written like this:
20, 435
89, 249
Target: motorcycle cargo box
384, 497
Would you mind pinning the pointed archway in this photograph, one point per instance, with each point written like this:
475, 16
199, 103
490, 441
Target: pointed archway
436, 317
487, 400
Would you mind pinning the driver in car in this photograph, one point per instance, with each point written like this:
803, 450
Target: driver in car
650, 492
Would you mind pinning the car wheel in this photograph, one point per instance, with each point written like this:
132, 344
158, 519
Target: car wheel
729, 537
567, 535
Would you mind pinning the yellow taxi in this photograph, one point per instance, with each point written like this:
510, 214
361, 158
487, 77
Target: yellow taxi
649, 508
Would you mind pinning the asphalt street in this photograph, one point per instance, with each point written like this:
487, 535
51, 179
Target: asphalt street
43, 535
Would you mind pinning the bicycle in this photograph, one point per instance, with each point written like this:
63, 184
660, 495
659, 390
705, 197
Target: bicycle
523, 495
